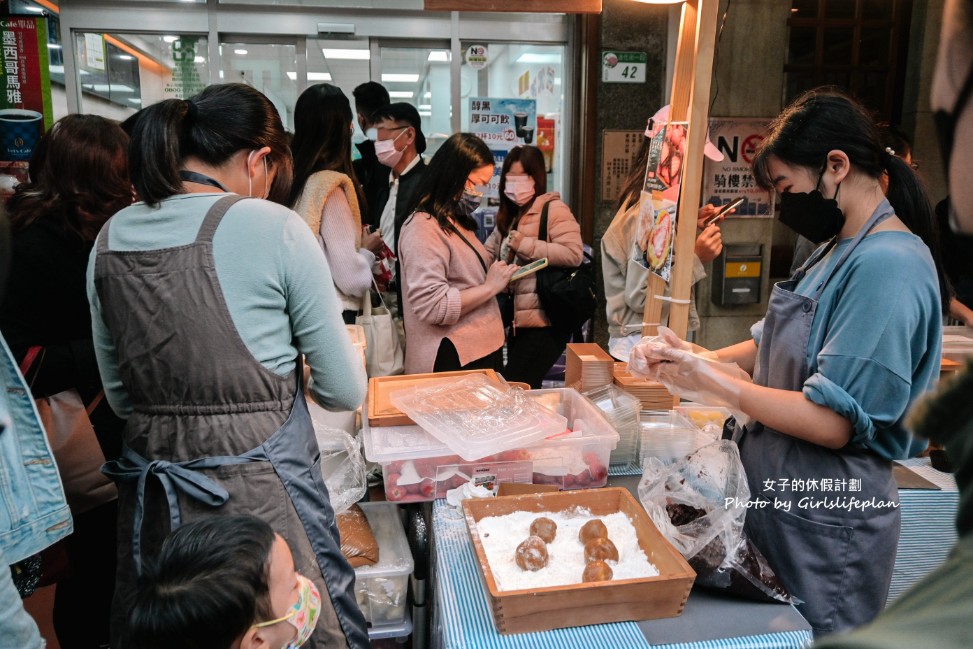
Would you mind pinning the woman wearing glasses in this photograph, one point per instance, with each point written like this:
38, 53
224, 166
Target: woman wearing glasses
452, 320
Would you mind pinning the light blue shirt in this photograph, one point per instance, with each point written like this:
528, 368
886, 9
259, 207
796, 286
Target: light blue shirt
876, 339
274, 278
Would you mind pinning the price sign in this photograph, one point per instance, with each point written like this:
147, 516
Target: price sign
623, 67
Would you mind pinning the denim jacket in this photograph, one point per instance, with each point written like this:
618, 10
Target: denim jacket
33, 511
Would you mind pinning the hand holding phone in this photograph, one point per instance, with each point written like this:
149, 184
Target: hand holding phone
723, 211
529, 269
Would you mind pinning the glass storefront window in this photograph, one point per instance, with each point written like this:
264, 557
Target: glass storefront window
271, 68
420, 76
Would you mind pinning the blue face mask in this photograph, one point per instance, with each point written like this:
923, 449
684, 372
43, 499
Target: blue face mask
468, 203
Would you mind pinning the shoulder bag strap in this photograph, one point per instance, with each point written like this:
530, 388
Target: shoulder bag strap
542, 232
467, 242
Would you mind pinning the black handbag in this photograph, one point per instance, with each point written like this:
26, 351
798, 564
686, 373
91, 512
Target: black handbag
566, 294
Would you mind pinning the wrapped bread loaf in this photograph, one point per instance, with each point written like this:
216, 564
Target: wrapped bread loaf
358, 544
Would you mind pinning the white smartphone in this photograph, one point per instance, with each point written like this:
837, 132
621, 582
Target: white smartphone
723, 210
529, 269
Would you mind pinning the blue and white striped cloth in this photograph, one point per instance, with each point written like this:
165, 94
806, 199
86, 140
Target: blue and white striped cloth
466, 620
928, 527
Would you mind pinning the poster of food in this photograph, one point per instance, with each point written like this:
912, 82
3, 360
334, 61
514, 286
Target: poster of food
663, 172
25, 100
737, 139
654, 234
502, 124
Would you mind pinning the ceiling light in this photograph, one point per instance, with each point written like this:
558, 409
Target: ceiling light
425, 113
134, 100
36, 10
170, 39
439, 56
348, 55
199, 59
241, 52
53, 46
427, 95
401, 94
311, 76
104, 87
125, 57
534, 57
404, 78
424, 107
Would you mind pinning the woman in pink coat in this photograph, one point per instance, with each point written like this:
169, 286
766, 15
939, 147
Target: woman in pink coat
534, 345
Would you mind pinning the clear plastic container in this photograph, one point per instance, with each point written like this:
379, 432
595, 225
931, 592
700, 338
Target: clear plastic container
382, 589
476, 417
707, 419
666, 435
622, 410
390, 636
418, 467
957, 343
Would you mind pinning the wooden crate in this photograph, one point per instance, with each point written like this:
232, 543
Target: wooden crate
541, 609
587, 366
381, 412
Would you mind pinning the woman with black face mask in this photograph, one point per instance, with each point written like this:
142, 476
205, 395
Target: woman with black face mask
452, 320
846, 346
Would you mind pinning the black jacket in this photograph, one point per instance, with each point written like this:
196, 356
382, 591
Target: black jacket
367, 164
377, 195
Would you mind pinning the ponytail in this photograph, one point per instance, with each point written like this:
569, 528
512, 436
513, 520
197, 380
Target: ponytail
911, 202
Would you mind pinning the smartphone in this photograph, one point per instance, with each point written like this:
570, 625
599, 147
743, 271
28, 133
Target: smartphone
723, 210
529, 269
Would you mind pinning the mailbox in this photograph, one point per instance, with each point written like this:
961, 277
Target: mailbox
736, 274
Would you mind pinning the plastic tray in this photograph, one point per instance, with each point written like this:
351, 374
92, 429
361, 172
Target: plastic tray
622, 410
666, 435
417, 467
475, 417
382, 589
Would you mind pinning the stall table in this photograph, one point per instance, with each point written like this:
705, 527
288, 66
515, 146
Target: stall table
463, 619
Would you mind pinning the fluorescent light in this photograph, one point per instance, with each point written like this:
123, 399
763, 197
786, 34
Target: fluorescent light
311, 76
221, 74
427, 95
348, 55
424, 106
134, 100
534, 57
241, 51
36, 10
439, 56
170, 39
425, 113
104, 87
404, 78
126, 57
401, 94
199, 59
53, 46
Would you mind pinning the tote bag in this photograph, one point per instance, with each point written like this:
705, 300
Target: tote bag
76, 449
384, 355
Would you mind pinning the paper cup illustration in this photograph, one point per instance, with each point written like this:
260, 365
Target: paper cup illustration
20, 130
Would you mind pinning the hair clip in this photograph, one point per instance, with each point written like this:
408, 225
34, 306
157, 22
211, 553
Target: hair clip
889, 150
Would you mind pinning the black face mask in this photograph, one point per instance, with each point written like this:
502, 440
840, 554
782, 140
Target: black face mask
812, 215
946, 130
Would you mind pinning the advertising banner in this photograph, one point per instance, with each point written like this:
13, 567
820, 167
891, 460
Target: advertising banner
737, 139
503, 124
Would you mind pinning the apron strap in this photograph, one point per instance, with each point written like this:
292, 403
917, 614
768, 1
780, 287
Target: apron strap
213, 217
183, 477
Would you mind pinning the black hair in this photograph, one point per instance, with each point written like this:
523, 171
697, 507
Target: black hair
207, 587
369, 97
403, 112
827, 119
445, 179
533, 162
632, 189
78, 177
212, 126
322, 138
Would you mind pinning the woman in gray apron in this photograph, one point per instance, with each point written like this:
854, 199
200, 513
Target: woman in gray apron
846, 346
202, 300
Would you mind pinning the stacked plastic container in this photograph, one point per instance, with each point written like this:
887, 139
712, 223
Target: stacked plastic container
382, 589
708, 421
419, 467
666, 435
622, 411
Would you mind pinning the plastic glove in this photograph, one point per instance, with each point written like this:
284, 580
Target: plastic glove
698, 377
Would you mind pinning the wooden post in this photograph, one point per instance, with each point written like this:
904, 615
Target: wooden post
689, 102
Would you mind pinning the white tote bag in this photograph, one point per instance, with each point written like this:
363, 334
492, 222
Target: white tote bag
384, 355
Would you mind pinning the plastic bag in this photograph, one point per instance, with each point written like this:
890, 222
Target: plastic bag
687, 502
342, 466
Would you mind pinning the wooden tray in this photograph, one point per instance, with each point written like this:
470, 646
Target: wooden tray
654, 396
541, 609
381, 412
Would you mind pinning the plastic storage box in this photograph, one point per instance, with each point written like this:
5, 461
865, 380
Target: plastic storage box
708, 420
418, 467
622, 410
666, 435
391, 636
382, 589
476, 417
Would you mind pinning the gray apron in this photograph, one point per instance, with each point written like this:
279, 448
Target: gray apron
213, 432
839, 562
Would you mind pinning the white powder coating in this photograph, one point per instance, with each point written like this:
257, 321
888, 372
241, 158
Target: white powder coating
500, 536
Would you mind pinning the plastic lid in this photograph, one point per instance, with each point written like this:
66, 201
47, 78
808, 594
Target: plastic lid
384, 631
476, 417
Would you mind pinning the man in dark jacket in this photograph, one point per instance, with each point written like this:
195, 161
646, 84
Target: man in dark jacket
369, 97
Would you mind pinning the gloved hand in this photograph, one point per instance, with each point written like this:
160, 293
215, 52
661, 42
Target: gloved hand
688, 371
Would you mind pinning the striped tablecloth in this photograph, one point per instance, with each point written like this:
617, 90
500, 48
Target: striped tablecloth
465, 620
928, 526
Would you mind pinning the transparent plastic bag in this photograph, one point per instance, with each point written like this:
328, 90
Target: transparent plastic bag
342, 466
687, 501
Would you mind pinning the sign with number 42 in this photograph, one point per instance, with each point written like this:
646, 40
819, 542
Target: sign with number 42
623, 67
